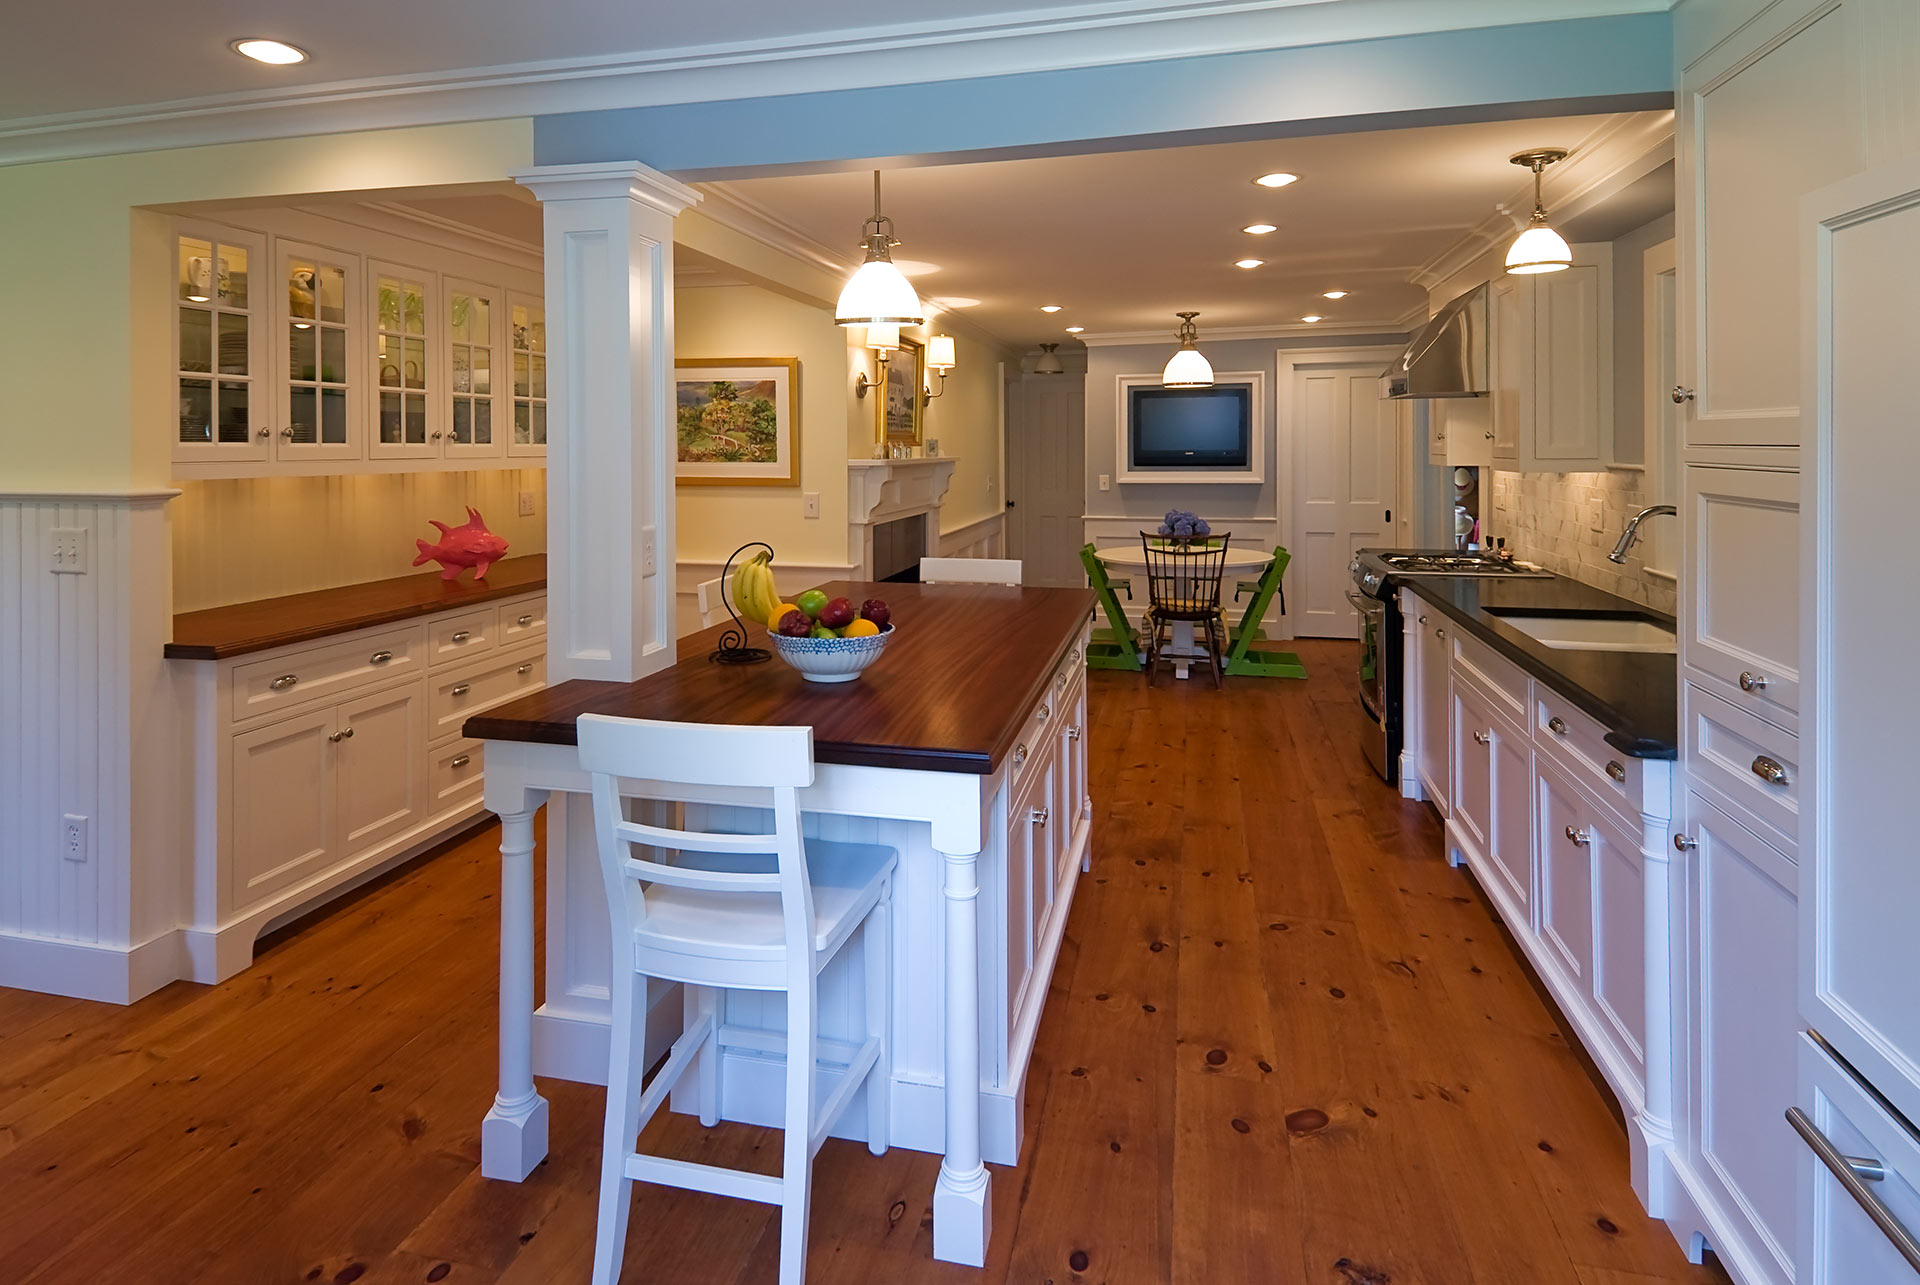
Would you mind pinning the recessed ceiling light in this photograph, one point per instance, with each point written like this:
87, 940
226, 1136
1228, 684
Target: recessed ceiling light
1049, 307
274, 52
1277, 179
1313, 317
1248, 263
1074, 330
1259, 229
1334, 294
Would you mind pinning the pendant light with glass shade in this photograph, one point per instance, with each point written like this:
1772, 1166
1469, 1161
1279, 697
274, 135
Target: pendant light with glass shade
1187, 368
878, 293
1539, 248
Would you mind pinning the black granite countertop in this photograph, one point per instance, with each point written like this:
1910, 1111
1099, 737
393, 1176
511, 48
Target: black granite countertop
1633, 694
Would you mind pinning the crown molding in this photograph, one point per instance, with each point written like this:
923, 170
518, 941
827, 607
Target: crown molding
1099, 33
1387, 331
731, 209
1620, 151
1415, 317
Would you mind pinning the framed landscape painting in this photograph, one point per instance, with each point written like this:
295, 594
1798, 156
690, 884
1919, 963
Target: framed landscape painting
737, 421
899, 410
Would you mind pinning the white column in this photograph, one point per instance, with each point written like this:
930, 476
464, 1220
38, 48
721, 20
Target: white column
962, 1197
610, 430
1663, 879
513, 1137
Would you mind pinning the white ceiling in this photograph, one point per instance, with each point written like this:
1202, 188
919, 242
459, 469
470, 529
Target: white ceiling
1123, 240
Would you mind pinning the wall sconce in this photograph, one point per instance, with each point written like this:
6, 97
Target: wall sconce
941, 360
883, 339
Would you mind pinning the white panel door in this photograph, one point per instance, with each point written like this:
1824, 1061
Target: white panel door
1047, 489
1840, 1242
1436, 709
1860, 608
380, 759
1347, 488
284, 819
1739, 614
1510, 363
1573, 338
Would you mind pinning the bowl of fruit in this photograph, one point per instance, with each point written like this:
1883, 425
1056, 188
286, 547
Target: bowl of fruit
829, 640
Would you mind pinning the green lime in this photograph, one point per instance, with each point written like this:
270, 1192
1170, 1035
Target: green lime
813, 602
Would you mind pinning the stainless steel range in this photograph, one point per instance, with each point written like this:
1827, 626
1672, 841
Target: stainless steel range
1373, 571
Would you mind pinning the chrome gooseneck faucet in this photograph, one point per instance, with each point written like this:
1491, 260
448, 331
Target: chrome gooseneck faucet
1632, 533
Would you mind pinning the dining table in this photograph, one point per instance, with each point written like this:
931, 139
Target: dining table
1130, 560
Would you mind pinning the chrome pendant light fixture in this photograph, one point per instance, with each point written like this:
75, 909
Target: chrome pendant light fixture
1539, 248
1048, 362
878, 293
1187, 368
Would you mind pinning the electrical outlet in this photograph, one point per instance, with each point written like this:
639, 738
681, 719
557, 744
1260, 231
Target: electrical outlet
73, 837
526, 504
1106, 482
649, 551
810, 504
69, 551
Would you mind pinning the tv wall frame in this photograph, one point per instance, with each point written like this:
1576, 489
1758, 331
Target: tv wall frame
1252, 475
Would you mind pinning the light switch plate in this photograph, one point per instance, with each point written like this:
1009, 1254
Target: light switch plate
1106, 482
810, 504
69, 553
526, 504
649, 551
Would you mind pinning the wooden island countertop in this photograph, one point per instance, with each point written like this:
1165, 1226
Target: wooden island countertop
243, 627
950, 694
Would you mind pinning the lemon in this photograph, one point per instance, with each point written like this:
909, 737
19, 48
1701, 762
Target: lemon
861, 629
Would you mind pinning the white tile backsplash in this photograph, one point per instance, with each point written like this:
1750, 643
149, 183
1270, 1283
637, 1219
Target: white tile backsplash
1549, 518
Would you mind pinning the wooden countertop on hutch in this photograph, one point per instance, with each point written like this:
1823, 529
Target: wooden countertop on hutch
951, 693
235, 630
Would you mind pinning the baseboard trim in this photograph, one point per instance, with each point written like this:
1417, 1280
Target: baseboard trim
91, 970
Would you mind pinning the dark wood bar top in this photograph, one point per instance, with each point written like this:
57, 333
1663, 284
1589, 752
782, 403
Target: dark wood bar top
220, 632
952, 693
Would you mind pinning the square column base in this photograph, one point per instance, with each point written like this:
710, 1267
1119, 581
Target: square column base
513, 1143
963, 1218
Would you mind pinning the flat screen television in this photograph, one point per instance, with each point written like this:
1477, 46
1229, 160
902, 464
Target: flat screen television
1190, 427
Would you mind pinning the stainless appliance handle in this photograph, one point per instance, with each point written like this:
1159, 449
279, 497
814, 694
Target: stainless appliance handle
1854, 1175
1364, 605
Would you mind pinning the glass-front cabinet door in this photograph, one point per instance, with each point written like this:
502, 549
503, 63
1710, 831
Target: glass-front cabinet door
476, 324
527, 334
406, 333
219, 340
319, 417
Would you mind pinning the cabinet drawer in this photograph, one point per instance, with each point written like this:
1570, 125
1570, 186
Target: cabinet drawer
523, 621
461, 693
1579, 745
453, 774
1750, 762
1840, 1242
456, 638
1496, 676
295, 678
1740, 616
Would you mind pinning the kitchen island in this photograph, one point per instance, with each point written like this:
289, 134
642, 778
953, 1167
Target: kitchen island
963, 748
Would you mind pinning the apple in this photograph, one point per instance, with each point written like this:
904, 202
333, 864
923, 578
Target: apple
821, 629
837, 614
795, 624
875, 610
813, 602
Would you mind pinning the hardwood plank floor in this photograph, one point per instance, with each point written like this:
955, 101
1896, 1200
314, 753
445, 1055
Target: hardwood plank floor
1285, 1043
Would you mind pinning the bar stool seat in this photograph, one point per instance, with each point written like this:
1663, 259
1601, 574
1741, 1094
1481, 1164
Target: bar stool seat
848, 879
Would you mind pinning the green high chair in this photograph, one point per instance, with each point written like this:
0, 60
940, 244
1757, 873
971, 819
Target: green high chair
1256, 662
1117, 644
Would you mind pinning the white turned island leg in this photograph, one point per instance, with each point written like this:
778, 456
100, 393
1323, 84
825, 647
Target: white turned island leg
962, 1210
513, 1137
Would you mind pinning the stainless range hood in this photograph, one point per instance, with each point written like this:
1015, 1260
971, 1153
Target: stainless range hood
1448, 358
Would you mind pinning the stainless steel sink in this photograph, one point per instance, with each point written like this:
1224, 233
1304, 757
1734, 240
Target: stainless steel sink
1593, 633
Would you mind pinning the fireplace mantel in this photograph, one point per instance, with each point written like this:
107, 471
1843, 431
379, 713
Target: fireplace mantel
881, 491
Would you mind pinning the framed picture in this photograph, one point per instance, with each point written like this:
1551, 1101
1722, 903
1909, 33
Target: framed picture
737, 421
897, 416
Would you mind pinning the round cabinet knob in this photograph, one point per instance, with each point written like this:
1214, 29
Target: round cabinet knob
1439, 633
1682, 843
1044, 712
1681, 395
1617, 770
525, 669
264, 434
1019, 754
1579, 837
1423, 620
287, 433
1557, 725
1751, 682
344, 734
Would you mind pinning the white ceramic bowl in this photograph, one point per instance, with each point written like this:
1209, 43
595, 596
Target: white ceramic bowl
830, 660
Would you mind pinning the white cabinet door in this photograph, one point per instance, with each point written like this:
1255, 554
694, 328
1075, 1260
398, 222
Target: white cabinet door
1510, 363
379, 761
1510, 847
1763, 120
322, 361
1573, 356
1472, 793
1744, 1022
1740, 609
1620, 937
285, 823
1566, 876
1029, 826
1436, 707
1840, 1242
1856, 804
222, 294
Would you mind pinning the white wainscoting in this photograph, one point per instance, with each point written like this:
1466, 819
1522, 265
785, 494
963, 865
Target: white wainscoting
89, 726
986, 538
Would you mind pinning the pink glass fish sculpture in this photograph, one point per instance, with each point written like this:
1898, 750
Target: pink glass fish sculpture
471, 545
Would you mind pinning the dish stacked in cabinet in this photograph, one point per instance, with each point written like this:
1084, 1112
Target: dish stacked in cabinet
320, 764
1567, 836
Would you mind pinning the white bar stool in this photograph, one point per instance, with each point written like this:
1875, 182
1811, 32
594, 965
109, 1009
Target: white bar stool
746, 911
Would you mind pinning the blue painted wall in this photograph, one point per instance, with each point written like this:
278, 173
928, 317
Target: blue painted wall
1551, 68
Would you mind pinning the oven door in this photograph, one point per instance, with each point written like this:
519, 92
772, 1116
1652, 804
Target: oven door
1376, 728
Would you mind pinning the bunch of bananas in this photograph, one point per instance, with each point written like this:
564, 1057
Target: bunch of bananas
752, 589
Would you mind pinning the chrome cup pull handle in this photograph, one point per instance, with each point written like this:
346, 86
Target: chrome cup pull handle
459, 761
526, 620
1617, 770
1769, 769
461, 635
460, 689
380, 658
525, 669
283, 682
1557, 725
